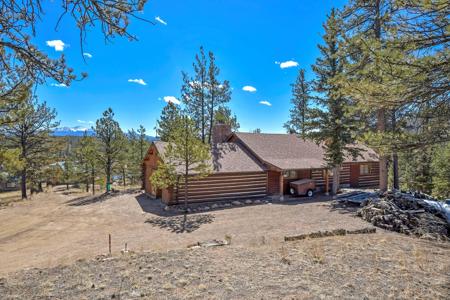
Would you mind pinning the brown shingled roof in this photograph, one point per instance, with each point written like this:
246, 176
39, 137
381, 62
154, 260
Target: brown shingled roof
225, 158
289, 152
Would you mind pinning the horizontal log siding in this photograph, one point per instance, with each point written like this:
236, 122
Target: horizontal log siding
373, 178
223, 187
273, 182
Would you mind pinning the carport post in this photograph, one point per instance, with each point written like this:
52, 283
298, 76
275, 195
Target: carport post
281, 186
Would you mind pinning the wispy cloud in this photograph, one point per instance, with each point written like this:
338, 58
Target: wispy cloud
138, 81
287, 64
265, 102
88, 55
85, 122
61, 85
172, 99
249, 88
58, 45
158, 18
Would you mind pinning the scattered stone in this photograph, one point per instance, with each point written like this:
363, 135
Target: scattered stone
210, 243
166, 208
236, 203
227, 205
248, 201
206, 208
214, 206
335, 232
257, 202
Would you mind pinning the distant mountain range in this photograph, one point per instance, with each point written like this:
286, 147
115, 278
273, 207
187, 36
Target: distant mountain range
72, 131
79, 131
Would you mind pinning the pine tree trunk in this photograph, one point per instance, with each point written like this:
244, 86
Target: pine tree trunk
23, 184
108, 175
123, 177
394, 154
93, 181
336, 180
381, 127
211, 119
395, 171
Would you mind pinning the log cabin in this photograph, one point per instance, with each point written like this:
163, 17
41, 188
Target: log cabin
256, 165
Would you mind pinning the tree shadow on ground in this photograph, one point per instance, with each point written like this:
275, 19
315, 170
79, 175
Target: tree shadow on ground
181, 224
91, 199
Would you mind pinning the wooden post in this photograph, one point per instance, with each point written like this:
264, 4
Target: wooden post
326, 183
281, 186
110, 244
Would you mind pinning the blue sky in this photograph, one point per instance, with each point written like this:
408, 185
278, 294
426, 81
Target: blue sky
247, 37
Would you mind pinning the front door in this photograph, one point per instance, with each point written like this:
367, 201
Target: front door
354, 175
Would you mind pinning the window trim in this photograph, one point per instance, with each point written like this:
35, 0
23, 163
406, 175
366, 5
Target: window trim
363, 167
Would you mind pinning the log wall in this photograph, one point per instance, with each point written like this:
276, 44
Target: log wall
223, 186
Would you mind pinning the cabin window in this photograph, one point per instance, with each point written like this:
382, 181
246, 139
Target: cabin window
364, 169
290, 174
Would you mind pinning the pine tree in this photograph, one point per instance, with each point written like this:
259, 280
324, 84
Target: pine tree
441, 172
366, 26
87, 161
185, 158
203, 94
111, 140
194, 93
218, 93
329, 118
166, 124
30, 133
223, 116
299, 113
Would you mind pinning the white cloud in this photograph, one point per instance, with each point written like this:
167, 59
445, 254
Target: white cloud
158, 18
287, 64
85, 122
63, 85
265, 102
88, 55
249, 88
58, 45
172, 99
138, 81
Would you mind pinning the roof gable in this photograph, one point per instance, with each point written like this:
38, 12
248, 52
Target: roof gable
225, 158
288, 151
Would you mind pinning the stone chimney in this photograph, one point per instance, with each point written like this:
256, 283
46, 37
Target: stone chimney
220, 133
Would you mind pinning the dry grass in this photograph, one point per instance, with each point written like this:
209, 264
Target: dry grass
61, 232
346, 267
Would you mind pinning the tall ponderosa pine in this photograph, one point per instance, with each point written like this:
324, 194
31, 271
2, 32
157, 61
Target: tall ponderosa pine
194, 94
185, 158
299, 113
111, 140
367, 23
324, 117
166, 124
30, 133
86, 160
203, 94
218, 93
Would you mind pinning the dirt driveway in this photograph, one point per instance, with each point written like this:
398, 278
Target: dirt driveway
55, 229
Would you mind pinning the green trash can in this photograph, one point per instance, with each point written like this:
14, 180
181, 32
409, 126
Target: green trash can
108, 187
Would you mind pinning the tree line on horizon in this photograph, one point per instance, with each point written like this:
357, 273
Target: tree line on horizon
381, 78
30, 151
